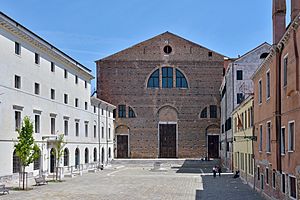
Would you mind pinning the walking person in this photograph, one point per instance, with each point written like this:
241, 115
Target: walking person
219, 170
215, 171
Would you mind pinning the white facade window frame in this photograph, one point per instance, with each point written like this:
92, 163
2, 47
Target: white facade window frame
289, 188
268, 91
289, 137
282, 142
268, 137
260, 91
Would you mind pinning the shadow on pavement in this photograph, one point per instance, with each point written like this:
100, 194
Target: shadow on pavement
197, 166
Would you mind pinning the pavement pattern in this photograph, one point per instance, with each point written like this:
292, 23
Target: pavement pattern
139, 182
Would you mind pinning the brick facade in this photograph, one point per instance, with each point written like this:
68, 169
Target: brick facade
122, 80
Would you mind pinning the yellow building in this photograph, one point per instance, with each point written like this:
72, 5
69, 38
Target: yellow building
243, 158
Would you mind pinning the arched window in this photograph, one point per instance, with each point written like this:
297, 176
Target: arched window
204, 113
95, 154
77, 157
86, 155
167, 77
102, 155
109, 152
37, 162
264, 55
131, 113
180, 80
66, 157
16, 163
153, 81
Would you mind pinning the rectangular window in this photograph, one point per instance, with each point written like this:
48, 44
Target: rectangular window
65, 98
17, 48
109, 133
95, 109
283, 183
17, 82
52, 67
52, 127
76, 79
260, 137
258, 173
213, 111
268, 85
86, 127
267, 176
36, 58
102, 132
102, 111
77, 128
240, 98
268, 137
291, 132
293, 192
66, 127
282, 140
122, 111
259, 92
36, 88
85, 84
95, 131
65, 73
167, 77
52, 94
17, 120
85, 105
76, 102
274, 179
37, 123
285, 64
239, 75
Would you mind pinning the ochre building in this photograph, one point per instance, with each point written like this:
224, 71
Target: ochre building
166, 92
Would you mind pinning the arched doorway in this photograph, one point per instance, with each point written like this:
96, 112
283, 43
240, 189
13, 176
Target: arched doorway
66, 157
102, 155
95, 154
86, 155
52, 160
212, 138
77, 157
122, 134
167, 133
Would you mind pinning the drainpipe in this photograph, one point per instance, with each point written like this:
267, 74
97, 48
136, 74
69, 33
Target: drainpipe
99, 141
106, 119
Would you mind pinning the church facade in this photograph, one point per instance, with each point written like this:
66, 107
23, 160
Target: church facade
166, 90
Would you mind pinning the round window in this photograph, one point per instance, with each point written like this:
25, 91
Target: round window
167, 49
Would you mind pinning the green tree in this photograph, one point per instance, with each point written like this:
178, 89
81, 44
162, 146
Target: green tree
26, 148
59, 145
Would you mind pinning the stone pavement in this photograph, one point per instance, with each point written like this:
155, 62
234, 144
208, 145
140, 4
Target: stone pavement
138, 182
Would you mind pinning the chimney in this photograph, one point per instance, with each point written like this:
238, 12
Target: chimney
278, 16
295, 8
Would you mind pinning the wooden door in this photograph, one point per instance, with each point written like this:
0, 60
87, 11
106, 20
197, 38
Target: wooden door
122, 146
213, 146
167, 140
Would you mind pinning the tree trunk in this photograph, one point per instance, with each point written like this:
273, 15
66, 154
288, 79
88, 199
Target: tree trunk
23, 177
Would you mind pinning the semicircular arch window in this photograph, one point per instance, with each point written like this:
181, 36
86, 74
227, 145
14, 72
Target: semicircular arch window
180, 80
153, 81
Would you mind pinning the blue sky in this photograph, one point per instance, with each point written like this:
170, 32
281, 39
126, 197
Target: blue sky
92, 29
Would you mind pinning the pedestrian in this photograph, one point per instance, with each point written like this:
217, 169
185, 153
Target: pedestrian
219, 170
215, 171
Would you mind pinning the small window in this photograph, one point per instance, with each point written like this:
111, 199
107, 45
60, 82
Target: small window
95, 110
213, 111
37, 119
282, 140
76, 102
153, 81
268, 85
66, 98
274, 179
77, 129
260, 137
259, 92
114, 113
293, 192
102, 132
52, 91
86, 129
264, 55
291, 132
36, 88
52, 125
204, 113
66, 127
131, 113
102, 111
239, 75
167, 77
285, 65
52, 67
122, 111
86, 155
17, 82
17, 48
267, 176
95, 131
85, 84
240, 98
66, 157
65, 73
109, 133
17, 120
268, 138
76, 79
210, 54
180, 80
168, 49
258, 173
283, 183
85, 105
36, 58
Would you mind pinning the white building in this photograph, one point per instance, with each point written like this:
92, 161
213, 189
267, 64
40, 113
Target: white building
236, 87
40, 81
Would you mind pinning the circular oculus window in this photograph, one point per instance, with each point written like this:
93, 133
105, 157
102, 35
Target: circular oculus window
167, 49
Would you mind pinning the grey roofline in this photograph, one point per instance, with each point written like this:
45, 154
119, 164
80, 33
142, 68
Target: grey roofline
51, 46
